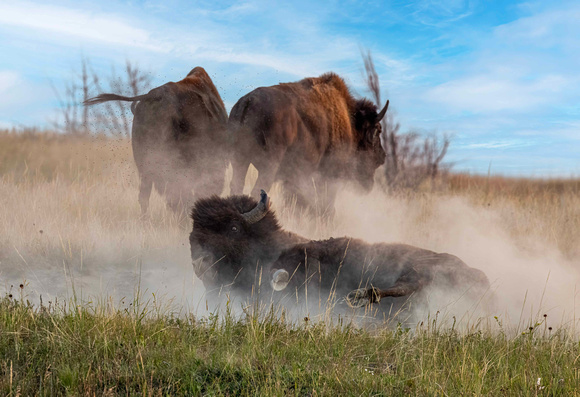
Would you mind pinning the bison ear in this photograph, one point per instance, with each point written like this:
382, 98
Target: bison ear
359, 119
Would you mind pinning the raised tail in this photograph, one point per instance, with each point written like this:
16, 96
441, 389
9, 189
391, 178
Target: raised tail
114, 97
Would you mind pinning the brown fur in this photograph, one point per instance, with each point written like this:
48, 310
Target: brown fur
250, 253
178, 138
224, 256
311, 129
392, 270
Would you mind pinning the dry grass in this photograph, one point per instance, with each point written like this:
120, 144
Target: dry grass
69, 214
70, 227
531, 209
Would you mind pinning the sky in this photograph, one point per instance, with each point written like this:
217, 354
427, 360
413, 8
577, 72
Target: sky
501, 78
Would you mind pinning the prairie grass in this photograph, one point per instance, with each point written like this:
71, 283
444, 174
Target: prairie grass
548, 210
87, 350
109, 304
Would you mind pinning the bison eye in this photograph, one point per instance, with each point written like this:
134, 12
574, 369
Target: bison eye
234, 229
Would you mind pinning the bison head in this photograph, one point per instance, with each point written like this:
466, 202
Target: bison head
370, 153
231, 239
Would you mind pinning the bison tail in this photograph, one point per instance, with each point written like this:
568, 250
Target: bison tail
112, 97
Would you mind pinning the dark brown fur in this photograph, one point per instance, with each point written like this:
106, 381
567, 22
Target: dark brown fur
311, 129
222, 255
240, 254
392, 270
178, 139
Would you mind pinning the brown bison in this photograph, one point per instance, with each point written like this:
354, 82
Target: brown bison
237, 243
306, 134
179, 138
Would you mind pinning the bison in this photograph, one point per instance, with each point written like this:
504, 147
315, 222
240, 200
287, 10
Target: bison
178, 138
309, 133
237, 242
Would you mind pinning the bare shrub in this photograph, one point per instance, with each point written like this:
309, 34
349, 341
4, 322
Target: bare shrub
411, 158
111, 118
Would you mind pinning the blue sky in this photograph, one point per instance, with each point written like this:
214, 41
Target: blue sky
501, 77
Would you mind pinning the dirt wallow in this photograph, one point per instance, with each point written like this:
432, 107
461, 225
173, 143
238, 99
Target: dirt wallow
237, 245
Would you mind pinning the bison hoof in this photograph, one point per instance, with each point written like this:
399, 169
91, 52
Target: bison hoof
362, 297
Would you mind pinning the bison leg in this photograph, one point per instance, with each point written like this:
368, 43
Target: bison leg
406, 285
240, 169
178, 198
267, 171
363, 296
145, 185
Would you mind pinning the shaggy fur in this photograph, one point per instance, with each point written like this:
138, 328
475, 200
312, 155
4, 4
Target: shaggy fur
178, 136
313, 129
380, 270
236, 253
226, 249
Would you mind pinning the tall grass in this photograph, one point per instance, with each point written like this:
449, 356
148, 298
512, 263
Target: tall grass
87, 350
548, 210
115, 308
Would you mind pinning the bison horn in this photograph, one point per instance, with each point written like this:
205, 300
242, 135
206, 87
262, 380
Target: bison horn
383, 112
259, 211
280, 280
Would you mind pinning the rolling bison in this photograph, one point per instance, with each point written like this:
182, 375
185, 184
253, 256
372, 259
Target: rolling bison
309, 133
179, 138
237, 243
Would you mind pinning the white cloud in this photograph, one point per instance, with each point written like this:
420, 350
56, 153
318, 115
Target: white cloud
8, 80
256, 59
494, 92
441, 13
549, 28
503, 144
297, 48
5, 125
529, 64
76, 23
20, 98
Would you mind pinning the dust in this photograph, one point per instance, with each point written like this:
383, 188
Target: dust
529, 277
94, 247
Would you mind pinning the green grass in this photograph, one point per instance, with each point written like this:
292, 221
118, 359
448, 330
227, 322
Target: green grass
65, 349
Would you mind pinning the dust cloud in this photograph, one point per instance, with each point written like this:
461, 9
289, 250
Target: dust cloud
151, 259
529, 278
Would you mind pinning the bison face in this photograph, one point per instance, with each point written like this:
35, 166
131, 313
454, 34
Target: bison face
230, 238
370, 154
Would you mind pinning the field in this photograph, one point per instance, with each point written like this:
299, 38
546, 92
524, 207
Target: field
99, 301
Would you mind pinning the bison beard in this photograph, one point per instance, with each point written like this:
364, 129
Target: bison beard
237, 241
311, 135
178, 135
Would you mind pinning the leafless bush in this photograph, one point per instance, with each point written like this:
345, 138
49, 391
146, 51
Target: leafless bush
411, 158
113, 117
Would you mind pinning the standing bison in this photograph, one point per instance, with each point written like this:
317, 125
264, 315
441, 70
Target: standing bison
306, 134
237, 243
179, 138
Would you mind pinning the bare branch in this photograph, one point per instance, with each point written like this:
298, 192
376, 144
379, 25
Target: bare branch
108, 118
410, 159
